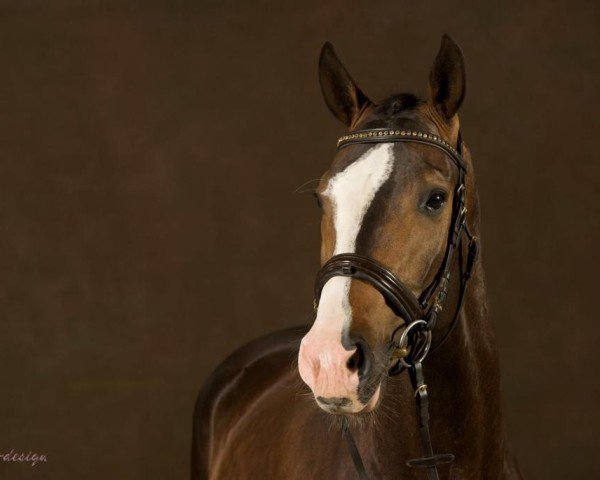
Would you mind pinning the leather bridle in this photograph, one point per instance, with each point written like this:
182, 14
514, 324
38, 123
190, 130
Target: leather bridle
411, 341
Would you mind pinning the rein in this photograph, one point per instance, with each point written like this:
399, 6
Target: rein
411, 341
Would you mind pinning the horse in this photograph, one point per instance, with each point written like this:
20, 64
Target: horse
346, 397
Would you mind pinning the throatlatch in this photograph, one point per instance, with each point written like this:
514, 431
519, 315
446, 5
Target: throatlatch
411, 341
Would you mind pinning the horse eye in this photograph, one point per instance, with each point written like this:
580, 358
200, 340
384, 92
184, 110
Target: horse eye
436, 201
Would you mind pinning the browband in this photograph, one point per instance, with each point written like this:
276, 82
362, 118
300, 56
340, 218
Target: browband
384, 135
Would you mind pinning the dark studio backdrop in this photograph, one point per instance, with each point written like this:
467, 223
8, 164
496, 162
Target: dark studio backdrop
149, 157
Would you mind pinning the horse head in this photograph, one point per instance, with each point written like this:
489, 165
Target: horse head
388, 201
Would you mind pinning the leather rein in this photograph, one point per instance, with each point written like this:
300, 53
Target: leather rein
411, 341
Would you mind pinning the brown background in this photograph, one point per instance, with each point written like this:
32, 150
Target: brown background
149, 156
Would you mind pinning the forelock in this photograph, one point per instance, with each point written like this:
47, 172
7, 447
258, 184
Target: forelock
394, 105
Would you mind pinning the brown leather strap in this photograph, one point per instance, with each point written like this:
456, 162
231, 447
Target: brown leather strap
430, 461
465, 275
387, 135
400, 299
354, 453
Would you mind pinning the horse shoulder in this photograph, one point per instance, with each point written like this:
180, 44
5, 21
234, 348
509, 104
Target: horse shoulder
234, 384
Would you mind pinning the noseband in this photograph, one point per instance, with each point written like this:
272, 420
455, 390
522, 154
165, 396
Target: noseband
419, 314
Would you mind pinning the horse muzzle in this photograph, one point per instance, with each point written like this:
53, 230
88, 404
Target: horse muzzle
341, 380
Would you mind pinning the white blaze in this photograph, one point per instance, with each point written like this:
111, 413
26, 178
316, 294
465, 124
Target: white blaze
323, 358
351, 193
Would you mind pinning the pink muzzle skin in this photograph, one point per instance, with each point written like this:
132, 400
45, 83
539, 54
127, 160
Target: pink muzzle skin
323, 366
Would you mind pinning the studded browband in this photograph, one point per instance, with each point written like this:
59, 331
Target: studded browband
383, 135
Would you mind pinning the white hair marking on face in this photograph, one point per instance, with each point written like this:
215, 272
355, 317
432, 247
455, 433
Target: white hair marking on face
351, 193
323, 356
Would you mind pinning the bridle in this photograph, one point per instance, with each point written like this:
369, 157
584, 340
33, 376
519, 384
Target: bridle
411, 341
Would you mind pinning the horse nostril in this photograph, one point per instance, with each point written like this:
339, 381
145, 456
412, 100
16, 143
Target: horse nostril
335, 401
357, 360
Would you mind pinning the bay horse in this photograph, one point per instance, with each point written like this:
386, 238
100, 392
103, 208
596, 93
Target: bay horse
346, 397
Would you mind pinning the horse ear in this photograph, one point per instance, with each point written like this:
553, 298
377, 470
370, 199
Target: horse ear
447, 82
342, 95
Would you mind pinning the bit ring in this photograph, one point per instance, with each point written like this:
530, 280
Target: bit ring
423, 349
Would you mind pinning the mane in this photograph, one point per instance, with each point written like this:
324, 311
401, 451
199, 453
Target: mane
395, 104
